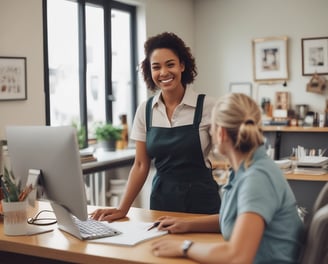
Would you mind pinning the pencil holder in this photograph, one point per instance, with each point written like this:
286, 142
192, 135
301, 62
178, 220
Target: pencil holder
15, 218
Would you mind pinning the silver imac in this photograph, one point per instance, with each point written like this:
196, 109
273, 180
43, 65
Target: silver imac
54, 151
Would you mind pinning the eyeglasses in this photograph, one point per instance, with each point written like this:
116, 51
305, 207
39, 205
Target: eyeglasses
42, 221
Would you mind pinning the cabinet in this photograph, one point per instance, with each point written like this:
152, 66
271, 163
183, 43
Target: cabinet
305, 187
284, 138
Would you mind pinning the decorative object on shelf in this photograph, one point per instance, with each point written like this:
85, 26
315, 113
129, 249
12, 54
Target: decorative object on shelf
241, 87
270, 62
124, 141
314, 56
280, 112
107, 135
326, 115
13, 78
317, 84
282, 100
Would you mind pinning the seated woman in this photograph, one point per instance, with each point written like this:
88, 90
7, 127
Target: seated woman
258, 217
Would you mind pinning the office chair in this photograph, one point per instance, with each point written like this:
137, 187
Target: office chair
316, 244
322, 198
315, 249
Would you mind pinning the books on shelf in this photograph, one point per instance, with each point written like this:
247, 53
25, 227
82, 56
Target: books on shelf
90, 158
87, 155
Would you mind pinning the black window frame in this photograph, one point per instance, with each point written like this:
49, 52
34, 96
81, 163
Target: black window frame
107, 6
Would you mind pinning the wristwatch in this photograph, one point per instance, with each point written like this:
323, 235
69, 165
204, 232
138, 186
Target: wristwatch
185, 246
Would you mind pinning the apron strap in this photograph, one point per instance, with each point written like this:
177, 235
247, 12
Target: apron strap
199, 110
149, 113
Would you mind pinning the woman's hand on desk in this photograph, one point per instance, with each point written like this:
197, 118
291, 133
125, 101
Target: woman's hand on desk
174, 224
207, 223
167, 248
108, 214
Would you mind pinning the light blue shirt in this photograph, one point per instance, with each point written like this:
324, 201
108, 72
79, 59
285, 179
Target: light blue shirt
263, 189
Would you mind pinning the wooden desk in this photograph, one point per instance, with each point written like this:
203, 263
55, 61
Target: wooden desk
60, 247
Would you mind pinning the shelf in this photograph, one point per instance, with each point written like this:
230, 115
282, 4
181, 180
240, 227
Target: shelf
294, 129
306, 177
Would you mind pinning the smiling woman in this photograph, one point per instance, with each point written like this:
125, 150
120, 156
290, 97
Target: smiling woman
172, 129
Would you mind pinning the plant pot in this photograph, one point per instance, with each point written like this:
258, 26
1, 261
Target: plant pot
108, 145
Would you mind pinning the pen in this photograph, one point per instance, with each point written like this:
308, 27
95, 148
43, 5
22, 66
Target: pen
25, 192
156, 224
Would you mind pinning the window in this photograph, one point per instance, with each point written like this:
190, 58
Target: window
90, 62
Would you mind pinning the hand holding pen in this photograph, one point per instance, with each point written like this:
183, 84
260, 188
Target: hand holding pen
172, 224
156, 224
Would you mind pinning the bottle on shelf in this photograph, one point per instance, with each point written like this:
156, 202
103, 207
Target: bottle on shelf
124, 141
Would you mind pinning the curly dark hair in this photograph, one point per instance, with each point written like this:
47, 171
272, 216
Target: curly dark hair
170, 41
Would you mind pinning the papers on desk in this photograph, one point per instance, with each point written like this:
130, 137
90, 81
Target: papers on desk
309, 165
132, 233
285, 165
310, 171
312, 161
312, 165
35, 230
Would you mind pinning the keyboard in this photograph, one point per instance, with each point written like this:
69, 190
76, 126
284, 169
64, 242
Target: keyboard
93, 229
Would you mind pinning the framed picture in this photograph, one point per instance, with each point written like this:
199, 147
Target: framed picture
282, 100
241, 87
314, 56
270, 62
13, 78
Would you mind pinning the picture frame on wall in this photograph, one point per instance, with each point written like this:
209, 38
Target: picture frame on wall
314, 56
13, 78
241, 87
270, 59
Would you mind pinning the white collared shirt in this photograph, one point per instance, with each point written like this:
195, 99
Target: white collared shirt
183, 115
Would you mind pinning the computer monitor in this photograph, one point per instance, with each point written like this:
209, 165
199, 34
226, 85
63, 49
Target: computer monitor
54, 151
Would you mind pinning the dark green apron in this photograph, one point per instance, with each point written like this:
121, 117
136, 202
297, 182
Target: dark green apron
182, 182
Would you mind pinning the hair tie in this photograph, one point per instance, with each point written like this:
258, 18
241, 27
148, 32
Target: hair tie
249, 122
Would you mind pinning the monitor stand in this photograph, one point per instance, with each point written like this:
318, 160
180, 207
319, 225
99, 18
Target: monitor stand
65, 221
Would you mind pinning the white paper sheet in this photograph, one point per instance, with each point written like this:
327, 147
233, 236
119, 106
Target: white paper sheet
132, 233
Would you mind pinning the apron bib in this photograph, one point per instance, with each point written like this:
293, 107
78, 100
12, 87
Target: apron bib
182, 182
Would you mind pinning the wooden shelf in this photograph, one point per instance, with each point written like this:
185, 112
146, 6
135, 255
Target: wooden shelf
289, 176
306, 177
294, 129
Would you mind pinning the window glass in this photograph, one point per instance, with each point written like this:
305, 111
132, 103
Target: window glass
121, 64
63, 62
95, 67
69, 82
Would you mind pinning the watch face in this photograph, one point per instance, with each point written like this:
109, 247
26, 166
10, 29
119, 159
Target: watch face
186, 245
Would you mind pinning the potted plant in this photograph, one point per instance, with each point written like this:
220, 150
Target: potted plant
81, 135
107, 134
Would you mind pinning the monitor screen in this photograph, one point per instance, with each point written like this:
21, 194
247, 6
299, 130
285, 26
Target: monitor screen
54, 151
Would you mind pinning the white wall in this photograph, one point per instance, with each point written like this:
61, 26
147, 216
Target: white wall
224, 32
219, 33
21, 35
